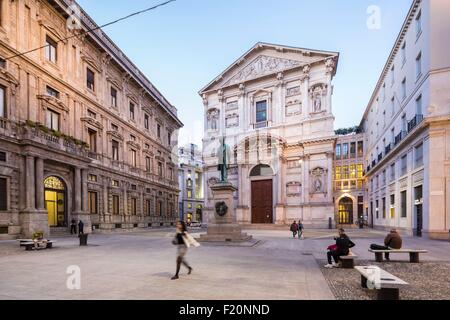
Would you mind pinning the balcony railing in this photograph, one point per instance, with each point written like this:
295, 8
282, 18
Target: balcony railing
387, 149
418, 118
399, 137
380, 156
374, 163
260, 125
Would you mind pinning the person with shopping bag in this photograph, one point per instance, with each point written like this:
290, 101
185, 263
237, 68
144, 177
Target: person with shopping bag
183, 240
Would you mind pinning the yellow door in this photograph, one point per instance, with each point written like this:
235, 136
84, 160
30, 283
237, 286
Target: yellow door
52, 208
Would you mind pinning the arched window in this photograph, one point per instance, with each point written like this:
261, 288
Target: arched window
261, 170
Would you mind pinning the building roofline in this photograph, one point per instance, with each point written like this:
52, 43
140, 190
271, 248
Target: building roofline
102, 39
404, 29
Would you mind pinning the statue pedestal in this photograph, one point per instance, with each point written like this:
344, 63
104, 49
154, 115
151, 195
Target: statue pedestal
224, 227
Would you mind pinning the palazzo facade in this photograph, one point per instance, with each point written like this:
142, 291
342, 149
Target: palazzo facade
273, 107
83, 133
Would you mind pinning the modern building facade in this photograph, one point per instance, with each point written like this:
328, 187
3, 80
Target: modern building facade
190, 180
83, 133
349, 180
407, 128
273, 107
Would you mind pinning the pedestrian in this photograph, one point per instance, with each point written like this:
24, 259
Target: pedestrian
342, 248
294, 228
183, 240
392, 241
73, 226
80, 227
300, 229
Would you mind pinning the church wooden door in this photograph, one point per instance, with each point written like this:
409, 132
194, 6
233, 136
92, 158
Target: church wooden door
262, 206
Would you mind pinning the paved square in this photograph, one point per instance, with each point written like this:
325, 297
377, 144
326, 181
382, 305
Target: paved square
139, 266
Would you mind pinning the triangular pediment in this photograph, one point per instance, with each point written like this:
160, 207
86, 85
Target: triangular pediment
266, 59
262, 66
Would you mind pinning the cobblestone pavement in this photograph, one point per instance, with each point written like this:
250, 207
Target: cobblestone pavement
427, 280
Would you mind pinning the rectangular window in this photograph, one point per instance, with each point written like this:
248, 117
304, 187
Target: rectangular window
404, 89
115, 150
418, 155
383, 203
169, 137
419, 65
392, 206
2, 102
403, 204
419, 105
52, 92
261, 111
51, 49
160, 169
352, 149
352, 171
148, 206
393, 105
189, 193
393, 172
115, 205
338, 151
92, 140
345, 151
360, 171
115, 183
404, 53
131, 111
90, 79
133, 206
404, 165
92, 178
171, 174
92, 196
113, 97
419, 24
52, 120
3, 194
2, 156
146, 121
392, 75
114, 127
384, 91
360, 148
158, 130
338, 173
377, 209
133, 158
148, 165
345, 174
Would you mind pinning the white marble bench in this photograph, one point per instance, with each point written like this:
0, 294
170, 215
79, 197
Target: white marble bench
386, 284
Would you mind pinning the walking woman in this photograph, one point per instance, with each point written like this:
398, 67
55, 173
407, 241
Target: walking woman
183, 240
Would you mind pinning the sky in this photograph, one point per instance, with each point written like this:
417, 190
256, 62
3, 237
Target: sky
184, 45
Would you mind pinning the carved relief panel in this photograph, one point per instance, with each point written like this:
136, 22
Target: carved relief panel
318, 179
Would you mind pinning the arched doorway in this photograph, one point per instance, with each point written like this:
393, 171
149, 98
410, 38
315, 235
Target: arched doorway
55, 201
346, 211
262, 194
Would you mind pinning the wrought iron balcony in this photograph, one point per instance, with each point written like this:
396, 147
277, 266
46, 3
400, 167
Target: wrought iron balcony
399, 137
418, 118
387, 149
380, 156
374, 163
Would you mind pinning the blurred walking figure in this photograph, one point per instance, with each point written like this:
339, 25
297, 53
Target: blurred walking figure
300, 229
294, 229
73, 226
80, 227
183, 240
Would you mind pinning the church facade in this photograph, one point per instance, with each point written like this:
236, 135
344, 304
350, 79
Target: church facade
273, 107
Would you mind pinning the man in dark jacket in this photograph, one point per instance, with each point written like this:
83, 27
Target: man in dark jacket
392, 241
80, 227
343, 245
294, 228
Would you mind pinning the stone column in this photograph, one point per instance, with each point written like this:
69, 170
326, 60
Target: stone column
105, 199
305, 96
329, 89
77, 190
30, 184
40, 196
125, 200
84, 191
141, 204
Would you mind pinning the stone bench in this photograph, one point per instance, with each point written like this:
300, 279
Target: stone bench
413, 254
387, 285
32, 245
348, 262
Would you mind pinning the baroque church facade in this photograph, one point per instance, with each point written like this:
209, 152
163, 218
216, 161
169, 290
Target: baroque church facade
273, 107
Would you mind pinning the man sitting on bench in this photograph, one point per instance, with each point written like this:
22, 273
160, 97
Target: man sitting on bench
392, 241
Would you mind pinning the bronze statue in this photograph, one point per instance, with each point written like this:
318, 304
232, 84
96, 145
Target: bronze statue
223, 155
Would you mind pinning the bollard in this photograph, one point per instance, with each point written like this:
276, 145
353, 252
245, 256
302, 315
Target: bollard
330, 223
83, 239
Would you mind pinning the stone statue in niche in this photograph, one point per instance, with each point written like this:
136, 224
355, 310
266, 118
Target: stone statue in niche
318, 176
213, 117
317, 93
317, 103
317, 185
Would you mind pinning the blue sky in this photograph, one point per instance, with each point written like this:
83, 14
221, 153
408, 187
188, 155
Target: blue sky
183, 46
